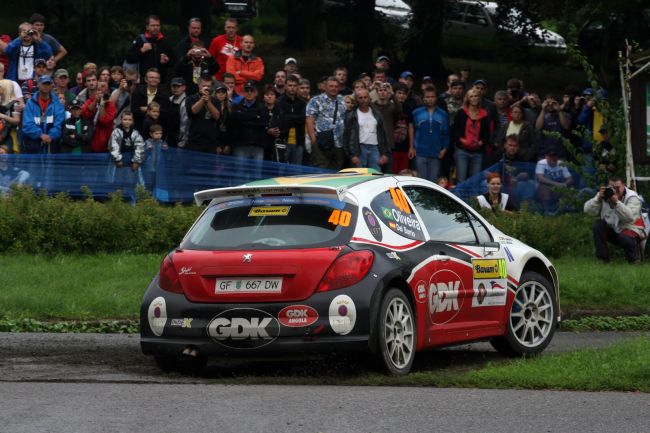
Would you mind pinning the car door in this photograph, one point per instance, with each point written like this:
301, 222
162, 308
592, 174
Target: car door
464, 275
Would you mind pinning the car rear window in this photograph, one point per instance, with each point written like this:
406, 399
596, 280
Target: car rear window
273, 222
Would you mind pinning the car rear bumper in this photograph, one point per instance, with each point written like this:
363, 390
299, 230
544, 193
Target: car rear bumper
340, 319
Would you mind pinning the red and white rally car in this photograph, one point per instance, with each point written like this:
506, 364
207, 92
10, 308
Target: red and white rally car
351, 260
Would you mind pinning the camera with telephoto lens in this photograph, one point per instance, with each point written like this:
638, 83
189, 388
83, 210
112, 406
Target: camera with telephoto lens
609, 192
31, 32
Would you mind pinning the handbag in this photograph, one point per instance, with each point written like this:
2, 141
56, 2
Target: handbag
325, 139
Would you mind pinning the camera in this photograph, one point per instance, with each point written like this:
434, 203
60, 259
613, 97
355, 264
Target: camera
106, 96
129, 83
31, 32
196, 52
609, 192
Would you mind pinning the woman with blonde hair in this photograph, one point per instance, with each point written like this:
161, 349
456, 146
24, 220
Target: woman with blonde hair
10, 115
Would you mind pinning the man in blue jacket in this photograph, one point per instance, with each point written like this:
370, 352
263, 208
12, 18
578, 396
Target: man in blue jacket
42, 120
23, 51
429, 136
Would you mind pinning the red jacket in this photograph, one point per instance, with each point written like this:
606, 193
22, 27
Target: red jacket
244, 70
221, 49
103, 126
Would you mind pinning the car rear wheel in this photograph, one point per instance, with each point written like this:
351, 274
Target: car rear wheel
397, 333
532, 318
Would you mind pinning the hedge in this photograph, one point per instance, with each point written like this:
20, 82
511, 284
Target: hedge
36, 223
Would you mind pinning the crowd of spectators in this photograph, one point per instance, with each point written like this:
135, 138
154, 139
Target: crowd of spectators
209, 96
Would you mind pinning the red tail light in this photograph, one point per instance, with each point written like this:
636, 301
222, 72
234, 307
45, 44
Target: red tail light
168, 279
347, 270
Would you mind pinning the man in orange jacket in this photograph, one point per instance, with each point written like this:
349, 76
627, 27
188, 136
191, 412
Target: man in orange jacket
245, 65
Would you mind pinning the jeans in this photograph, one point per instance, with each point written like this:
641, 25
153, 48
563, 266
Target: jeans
603, 234
369, 156
468, 164
295, 154
249, 170
428, 168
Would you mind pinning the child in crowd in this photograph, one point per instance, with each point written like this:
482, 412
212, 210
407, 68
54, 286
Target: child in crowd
154, 146
152, 118
77, 131
444, 182
127, 149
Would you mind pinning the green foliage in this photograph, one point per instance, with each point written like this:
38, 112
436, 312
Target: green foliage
602, 323
566, 234
33, 222
89, 327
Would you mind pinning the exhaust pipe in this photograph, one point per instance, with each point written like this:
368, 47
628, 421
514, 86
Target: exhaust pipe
191, 352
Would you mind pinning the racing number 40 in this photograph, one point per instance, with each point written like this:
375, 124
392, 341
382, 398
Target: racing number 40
340, 217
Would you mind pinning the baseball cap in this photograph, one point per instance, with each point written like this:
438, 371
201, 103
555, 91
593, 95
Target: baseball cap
457, 83
290, 60
250, 84
61, 73
75, 103
219, 86
380, 58
427, 78
588, 92
178, 81
40, 62
45, 79
406, 74
482, 81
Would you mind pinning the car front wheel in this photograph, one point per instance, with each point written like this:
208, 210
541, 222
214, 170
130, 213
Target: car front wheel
532, 318
397, 333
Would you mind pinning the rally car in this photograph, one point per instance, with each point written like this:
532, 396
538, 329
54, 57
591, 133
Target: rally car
345, 261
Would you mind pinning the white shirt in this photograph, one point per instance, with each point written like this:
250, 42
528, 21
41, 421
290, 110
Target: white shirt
367, 127
557, 173
25, 62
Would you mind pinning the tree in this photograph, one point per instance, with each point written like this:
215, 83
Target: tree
424, 41
305, 24
364, 29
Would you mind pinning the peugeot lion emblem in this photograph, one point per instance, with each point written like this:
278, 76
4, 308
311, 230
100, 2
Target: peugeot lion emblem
247, 258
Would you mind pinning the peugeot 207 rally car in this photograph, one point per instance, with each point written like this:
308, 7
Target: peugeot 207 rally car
351, 260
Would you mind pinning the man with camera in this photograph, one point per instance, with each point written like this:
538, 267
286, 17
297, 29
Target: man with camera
194, 64
552, 124
619, 220
23, 51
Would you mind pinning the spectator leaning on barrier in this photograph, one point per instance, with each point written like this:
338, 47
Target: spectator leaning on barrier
619, 222
42, 120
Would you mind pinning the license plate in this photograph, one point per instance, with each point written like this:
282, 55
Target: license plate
248, 285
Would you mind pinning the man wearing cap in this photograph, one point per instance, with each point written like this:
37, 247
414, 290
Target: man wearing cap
383, 63
61, 83
291, 66
413, 100
23, 51
178, 120
225, 46
43, 118
77, 131
245, 65
58, 50
197, 61
248, 127
325, 124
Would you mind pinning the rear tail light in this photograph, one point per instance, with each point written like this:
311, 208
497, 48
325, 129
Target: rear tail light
168, 279
347, 270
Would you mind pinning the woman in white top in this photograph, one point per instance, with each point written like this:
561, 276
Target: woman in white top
494, 199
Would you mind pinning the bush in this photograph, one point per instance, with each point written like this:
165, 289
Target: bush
36, 223
566, 234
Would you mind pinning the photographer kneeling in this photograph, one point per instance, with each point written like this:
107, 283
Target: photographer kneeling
620, 221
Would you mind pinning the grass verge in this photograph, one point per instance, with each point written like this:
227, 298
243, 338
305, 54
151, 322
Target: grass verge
110, 286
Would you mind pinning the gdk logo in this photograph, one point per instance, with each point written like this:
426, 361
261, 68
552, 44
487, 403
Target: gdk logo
443, 297
244, 328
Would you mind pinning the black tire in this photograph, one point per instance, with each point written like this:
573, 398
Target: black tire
396, 330
531, 320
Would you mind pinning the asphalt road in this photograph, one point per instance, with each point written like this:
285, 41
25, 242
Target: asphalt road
101, 383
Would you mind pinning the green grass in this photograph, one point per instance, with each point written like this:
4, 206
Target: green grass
75, 287
588, 284
110, 286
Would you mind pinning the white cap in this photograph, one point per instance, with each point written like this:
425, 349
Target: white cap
289, 60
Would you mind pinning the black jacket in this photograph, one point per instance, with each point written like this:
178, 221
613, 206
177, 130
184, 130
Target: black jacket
139, 99
185, 69
248, 128
351, 133
81, 140
294, 111
151, 59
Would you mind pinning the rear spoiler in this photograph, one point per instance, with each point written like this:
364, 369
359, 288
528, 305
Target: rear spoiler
201, 197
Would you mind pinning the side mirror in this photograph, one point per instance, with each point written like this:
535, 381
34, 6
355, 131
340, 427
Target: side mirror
491, 247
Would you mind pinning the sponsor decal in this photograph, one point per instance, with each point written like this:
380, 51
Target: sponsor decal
296, 316
489, 293
489, 268
342, 314
186, 270
393, 255
157, 315
373, 224
444, 296
421, 292
247, 258
181, 323
269, 211
387, 213
244, 328
340, 218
